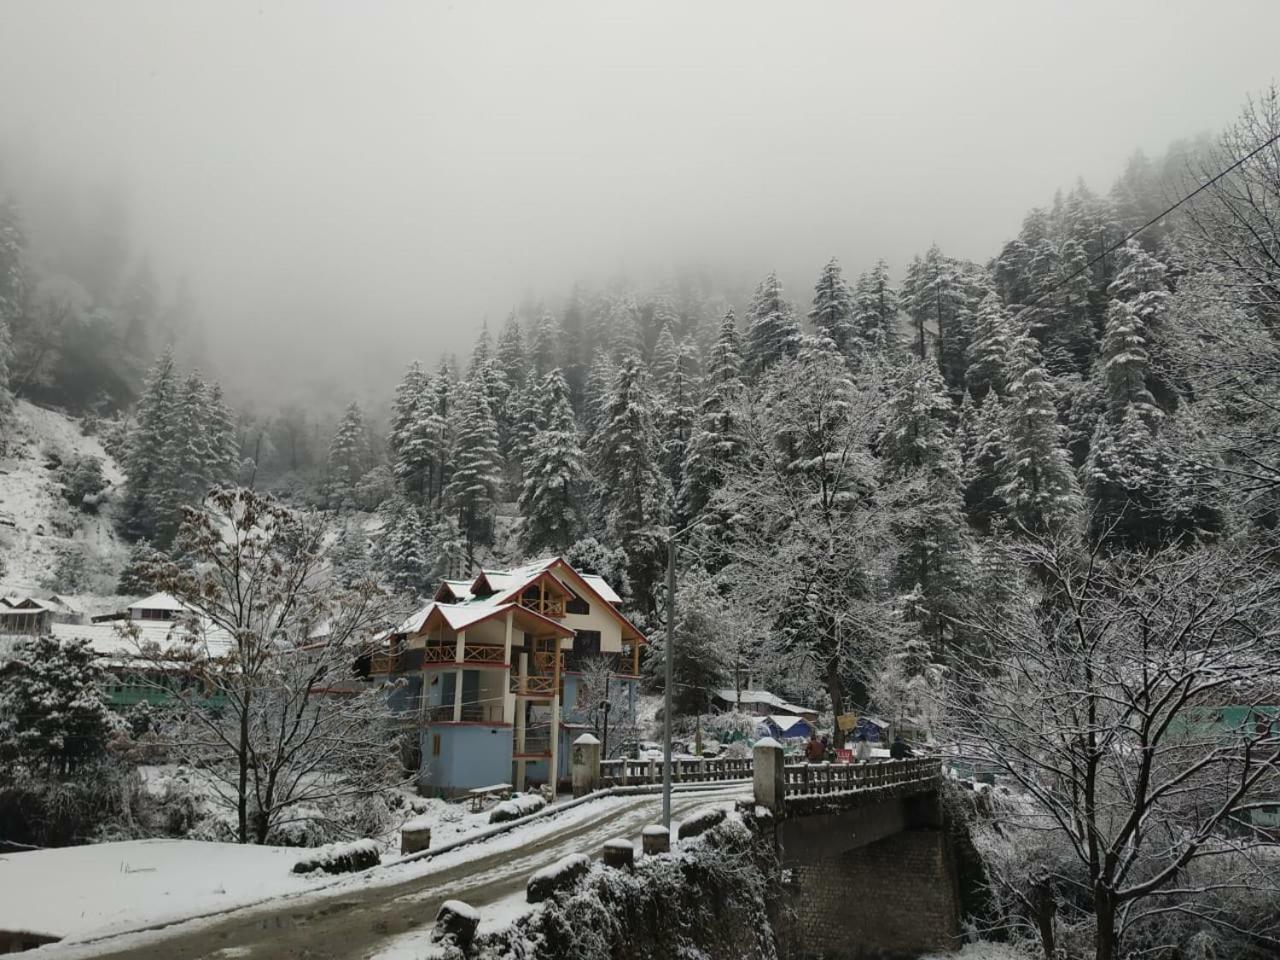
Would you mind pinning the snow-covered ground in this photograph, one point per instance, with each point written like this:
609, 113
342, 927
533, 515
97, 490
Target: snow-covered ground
131, 888
105, 887
35, 520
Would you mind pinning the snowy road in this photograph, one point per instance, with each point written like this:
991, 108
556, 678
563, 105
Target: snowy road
384, 913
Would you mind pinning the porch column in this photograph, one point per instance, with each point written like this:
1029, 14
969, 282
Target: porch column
508, 698
457, 687
554, 776
520, 732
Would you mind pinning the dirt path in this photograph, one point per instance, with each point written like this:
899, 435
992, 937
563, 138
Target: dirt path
357, 922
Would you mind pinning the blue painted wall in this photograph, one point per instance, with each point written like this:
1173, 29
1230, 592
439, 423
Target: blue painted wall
471, 755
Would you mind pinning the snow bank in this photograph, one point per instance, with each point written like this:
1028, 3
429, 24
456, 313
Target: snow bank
516, 807
74, 892
341, 857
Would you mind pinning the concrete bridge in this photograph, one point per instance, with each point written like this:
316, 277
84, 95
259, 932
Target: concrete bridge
868, 869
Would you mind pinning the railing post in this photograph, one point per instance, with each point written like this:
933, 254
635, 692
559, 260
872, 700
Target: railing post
769, 775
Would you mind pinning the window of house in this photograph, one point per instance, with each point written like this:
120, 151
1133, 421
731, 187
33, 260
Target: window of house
586, 643
577, 605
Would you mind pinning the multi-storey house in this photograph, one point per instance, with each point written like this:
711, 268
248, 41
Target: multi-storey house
493, 667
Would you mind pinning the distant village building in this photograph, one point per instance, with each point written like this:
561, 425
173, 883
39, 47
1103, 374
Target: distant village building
493, 667
758, 703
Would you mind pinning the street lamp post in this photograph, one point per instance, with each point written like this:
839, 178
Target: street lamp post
667, 682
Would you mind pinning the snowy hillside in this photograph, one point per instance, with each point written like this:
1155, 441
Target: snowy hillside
37, 526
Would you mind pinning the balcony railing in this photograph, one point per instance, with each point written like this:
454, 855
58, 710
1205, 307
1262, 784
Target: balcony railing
533, 685
547, 606
437, 653
471, 713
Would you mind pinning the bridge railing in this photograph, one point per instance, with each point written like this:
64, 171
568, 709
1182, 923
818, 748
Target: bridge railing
813, 778
625, 773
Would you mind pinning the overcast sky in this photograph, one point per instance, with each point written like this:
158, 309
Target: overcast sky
351, 184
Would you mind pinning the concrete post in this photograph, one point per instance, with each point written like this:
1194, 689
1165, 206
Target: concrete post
585, 765
619, 853
655, 839
415, 835
768, 775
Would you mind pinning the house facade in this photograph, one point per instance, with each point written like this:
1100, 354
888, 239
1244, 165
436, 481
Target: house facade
494, 668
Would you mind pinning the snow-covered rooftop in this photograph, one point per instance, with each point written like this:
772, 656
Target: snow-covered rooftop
729, 695
157, 601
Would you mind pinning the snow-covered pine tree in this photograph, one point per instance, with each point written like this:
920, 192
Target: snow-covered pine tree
716, 444
348, 458
405, 438
772, 331
183, 477
404, 550
481, 354
596, 392
144, 456
663, 364
936, 294
525, 424
1037, 481
473, 485
554, 474
981, 429
989, 348
53, 718
135, 579
833, 310
6, 393
221, 440
438, 432
12, 292
626, 339
919, 446
510, 353
875, 311
350, 555
1135, 316
1125, 483
544, 348
632, 491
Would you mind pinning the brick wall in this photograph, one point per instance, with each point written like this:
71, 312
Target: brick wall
895, 898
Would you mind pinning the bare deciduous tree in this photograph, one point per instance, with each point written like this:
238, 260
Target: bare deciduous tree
271, 710
1131, 704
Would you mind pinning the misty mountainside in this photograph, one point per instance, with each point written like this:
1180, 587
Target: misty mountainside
58, 490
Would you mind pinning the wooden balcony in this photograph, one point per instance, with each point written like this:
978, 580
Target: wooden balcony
447, 653
533, 685
547, 606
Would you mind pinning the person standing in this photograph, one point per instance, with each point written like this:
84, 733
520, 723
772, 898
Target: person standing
863, 749
899, 750
814, 751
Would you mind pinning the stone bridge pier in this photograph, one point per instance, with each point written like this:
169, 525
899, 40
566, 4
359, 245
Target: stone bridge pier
868, 871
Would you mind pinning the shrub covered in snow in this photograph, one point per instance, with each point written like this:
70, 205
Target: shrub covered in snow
561, 875
706, 899
341, 858
518, 806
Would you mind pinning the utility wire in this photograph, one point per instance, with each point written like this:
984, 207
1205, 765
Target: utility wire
1152, 222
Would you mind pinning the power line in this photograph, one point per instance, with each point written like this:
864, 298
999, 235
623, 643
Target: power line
1154, 220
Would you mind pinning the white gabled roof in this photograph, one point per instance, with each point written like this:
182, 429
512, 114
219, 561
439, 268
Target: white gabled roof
729, 695
601, 586
157, 601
